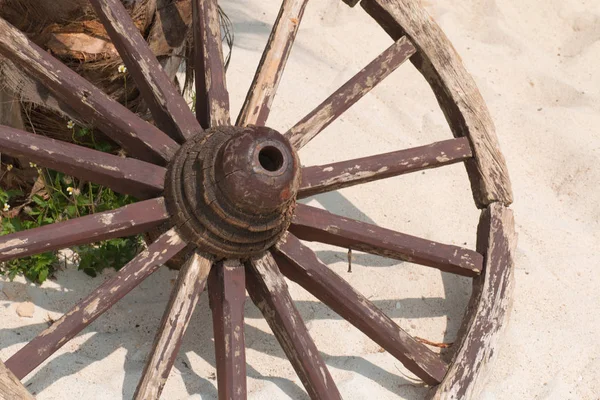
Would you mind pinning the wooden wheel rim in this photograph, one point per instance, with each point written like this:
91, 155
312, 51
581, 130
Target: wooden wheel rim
416, 38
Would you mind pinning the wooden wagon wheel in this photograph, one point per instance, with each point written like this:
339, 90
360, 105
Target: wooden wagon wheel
226, 195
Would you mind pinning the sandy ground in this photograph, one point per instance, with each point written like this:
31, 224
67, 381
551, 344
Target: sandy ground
536, 63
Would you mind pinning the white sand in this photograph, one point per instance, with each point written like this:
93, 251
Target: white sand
536, 63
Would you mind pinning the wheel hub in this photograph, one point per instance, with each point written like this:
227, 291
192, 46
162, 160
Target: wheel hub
232, 190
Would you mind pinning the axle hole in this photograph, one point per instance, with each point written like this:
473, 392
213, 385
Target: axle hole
270, 158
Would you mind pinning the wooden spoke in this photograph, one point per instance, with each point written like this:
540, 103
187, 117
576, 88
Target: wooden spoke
489, 309
268, 290
456, 92
317, 225
87, 310
326, 178
11, 387
352, 91
300, 264
123, 175
129, 220
212, 98
227, 289
257, 105
169, 109
139, 138
190, 285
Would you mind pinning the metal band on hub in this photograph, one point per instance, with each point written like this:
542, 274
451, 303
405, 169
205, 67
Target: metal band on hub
232, 190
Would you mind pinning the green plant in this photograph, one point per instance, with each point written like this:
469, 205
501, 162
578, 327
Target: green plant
59, 198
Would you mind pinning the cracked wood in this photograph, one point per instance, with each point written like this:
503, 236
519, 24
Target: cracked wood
11, 387
300, 264
317, 225
124, 175
456, 92
191, 281
326, 178
488, 311
268, 290
139, 138
257, 105
94, 305
352, 91
212, 98
129, 220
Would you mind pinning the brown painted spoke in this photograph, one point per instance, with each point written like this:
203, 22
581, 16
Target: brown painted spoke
352, 91
212, 98
317, 225
129, 220
139, 138
268, 290
326, 178
227, 289
123, 175
190, 285
300, 264
98, 302
170, 111
257, 105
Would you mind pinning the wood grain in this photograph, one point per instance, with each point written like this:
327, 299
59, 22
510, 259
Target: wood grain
11, 387
96, 304
168, 107
10, 109
257, 105
268, 290
212, 98
139, 138
317, 225
227, 289
191, 281
326, 178
352, 91
456, 92
129, 220
123, 175
300, 264
489, 310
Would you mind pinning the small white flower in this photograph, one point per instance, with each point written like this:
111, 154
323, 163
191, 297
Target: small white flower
122, 69
67, 179
32, 164
9, 167
76, 192
6, 207
70, 190
71, 124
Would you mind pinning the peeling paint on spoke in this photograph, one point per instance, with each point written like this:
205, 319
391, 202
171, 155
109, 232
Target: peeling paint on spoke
123, 175
330, 177
212, 98
129, 220
170, 111
138, 137
300, 264
186, 293
96, 304
227, 288
352, 91
257, 105
321, 226
268, 290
